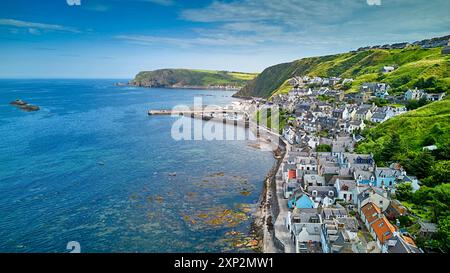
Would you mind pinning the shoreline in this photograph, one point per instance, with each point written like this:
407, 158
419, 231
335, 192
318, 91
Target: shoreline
267, 205
267, 209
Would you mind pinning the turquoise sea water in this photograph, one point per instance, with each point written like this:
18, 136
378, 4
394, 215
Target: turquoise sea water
92, 167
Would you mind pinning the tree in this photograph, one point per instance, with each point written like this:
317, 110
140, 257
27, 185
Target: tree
403, 192
347, 86
423, 195
397, 82
436, 199
420, 165
437, 209
323, 148
429, 83
414, 104
429, 140
392, 147
443, 152
440, 174
380, 102
444, 233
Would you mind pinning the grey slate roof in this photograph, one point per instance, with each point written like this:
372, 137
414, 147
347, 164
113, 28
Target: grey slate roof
323, 191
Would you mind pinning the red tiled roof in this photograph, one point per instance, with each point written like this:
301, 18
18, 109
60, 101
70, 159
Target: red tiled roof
383, 229
370, 211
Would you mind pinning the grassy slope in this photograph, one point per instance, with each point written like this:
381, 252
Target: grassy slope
413, 128
283, 89
195, 77
430, 203
412, 62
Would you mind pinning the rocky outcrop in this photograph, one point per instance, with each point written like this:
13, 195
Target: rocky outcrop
187, 78
24, 106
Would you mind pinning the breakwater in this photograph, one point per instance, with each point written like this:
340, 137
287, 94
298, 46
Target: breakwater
224, 116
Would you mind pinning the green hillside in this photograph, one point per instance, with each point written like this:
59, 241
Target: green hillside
401, 139
428, 125
412, 63
191, 78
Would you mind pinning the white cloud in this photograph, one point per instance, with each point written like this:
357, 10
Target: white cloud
33, 27
204, 40
73, 2
291, 12
299, 26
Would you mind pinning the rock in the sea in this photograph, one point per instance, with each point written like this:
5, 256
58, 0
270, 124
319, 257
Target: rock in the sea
18, 102
25, 106
30, 108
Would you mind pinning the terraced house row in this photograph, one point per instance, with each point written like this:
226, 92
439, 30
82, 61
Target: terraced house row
340, 202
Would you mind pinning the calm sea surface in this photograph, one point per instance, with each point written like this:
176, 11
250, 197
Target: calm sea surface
92, 167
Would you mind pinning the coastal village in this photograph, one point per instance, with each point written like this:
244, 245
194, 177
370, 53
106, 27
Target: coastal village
225, 135
325, 197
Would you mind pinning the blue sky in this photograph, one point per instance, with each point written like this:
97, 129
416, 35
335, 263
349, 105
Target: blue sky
118, 38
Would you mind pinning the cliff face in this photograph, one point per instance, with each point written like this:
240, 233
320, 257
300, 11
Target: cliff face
273, 77
185, 78
161, 78
423, 59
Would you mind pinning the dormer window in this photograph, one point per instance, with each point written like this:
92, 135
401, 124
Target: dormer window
314, 193
331, 193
